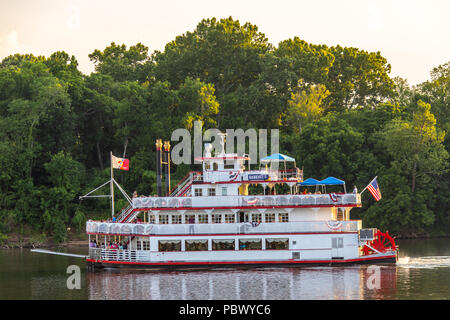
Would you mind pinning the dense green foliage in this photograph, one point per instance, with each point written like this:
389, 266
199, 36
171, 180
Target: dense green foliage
338, 111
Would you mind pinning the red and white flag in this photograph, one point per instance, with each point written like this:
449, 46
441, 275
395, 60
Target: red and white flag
120, 163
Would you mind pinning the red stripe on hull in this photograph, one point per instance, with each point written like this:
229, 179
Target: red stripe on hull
390, 258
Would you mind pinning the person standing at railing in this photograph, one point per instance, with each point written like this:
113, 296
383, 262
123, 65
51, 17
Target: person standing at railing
191, 224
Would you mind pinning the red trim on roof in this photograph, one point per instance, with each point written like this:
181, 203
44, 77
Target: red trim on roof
222, 158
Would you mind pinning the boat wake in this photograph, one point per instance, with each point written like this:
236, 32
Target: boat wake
430, 262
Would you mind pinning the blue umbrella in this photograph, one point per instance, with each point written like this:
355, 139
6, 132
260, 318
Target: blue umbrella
332, 181
277, 157
309, 182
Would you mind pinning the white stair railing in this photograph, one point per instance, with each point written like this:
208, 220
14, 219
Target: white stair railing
183, 185
124, 213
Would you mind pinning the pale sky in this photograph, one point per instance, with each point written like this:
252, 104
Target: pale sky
413, 35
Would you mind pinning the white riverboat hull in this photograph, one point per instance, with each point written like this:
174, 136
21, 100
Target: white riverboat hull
381, 258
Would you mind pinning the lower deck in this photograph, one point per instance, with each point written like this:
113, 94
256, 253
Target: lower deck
331, 247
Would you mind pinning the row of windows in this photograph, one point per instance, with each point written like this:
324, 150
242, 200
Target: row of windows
216, 244
211, 192
219, 218
226, 166
220, 244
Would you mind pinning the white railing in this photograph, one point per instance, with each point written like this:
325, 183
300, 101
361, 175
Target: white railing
184, 184
94, 227
118, 254
248, 201
124, 213
293, 175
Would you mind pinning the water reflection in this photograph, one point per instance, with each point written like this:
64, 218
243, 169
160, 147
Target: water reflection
254, 284
422, 272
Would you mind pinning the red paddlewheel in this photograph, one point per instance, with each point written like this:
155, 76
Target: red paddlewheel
382, 242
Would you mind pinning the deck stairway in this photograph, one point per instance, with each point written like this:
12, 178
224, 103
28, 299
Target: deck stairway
126, 214
184, 185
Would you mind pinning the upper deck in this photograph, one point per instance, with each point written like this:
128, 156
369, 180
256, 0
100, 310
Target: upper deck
251, 201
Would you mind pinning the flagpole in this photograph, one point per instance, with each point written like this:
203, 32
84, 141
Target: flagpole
112, 186
368, 185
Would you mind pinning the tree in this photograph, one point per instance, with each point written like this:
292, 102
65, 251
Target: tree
358, 78
416, 146
65, 176
224, 53
123, 64
306, 106
295, 60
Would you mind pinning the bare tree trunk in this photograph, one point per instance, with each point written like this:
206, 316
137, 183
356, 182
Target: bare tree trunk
99, 156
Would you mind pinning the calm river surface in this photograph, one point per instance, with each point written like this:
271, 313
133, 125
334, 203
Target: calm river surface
423, 272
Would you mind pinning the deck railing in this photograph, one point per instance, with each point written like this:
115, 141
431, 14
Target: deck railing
146, 229
118, 254
248, 201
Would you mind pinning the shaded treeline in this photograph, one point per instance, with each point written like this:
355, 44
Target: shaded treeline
338, 110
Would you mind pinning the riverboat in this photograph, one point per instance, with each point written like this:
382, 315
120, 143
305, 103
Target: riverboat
228, 215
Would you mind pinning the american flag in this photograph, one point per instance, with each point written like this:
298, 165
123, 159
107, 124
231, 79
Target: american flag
374, 189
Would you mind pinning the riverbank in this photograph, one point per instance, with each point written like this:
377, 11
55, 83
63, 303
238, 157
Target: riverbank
16, 240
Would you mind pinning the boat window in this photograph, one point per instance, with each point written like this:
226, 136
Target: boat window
164, 219
228, 166
211, 192
198, 192
270, 217
224, 191
202, 218
340, 214
196, 245
250, 244
146, 244
151, 218
176, 219
256, 217
169, 245
223, 244
215, 166
283, 217
229, 218
207, 165
216, 218
190, 218
138, 244
277, 244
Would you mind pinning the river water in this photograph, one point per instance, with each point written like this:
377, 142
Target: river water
422, 272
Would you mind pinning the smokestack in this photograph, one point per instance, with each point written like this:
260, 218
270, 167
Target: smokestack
158, 167
167, 165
